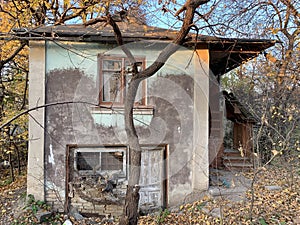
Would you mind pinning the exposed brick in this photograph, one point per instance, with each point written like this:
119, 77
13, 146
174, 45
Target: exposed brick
100, 207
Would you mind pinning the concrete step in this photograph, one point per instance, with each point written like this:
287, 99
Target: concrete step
236, 166
232, 153
237, 159
233, 161
229, 150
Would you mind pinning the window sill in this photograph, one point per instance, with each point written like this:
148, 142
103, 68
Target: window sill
138, 110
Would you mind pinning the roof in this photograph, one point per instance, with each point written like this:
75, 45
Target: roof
229, 53
225, 53
236, 111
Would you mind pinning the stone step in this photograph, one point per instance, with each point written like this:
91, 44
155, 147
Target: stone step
234, 159
236, 166
232, 153
229, 150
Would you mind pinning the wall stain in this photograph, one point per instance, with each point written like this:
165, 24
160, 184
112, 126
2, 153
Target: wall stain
172, 122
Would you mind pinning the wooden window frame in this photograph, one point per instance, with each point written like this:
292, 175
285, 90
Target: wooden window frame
101, 150
122, 90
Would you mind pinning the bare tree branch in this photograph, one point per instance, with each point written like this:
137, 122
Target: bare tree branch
16, 52
95, 20
48, 105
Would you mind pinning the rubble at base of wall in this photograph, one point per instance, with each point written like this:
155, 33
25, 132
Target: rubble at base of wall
86, 207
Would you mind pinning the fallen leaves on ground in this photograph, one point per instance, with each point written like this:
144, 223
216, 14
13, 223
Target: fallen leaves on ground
269, 206
262, 206
9, 195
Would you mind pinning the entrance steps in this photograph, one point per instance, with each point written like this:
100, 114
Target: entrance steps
233, 160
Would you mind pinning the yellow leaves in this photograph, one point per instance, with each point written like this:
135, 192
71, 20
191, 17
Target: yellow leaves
270, 57
4, 22
19, 14
275, 152
47, 4
270, 206
140, 2
274, 30
271, 74
66, 4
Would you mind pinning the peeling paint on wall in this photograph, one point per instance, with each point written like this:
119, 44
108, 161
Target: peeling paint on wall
51, 156
168, 120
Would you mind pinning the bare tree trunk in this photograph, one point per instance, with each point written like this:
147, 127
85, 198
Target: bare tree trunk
18, 158
135, 153
130, 213
11, 167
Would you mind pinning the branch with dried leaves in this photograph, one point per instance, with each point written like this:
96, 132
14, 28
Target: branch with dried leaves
13, 55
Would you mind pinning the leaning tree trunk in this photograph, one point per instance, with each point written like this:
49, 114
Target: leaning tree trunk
130, 213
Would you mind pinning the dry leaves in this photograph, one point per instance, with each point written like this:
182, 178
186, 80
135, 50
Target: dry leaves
269, 206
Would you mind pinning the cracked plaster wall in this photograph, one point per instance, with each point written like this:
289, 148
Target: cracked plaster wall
72, 76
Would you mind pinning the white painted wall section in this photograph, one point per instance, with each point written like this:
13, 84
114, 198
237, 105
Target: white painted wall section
201, 121
35, 176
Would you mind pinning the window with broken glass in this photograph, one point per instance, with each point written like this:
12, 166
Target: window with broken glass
115, 74
104, 161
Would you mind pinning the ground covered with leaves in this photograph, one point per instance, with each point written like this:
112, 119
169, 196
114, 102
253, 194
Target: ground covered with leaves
10, 192
273, 198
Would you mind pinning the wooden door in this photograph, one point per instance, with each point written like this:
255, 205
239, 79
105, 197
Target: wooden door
242, 137
152, 179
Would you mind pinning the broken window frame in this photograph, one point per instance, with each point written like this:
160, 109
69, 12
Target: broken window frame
72, 174
122, 172
123, 71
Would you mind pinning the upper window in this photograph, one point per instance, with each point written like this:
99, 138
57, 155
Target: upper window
115, 73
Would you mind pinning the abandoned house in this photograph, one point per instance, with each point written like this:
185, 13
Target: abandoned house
78, 155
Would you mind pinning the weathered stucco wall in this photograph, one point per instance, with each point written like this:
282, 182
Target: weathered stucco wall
35, 175
172, 117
